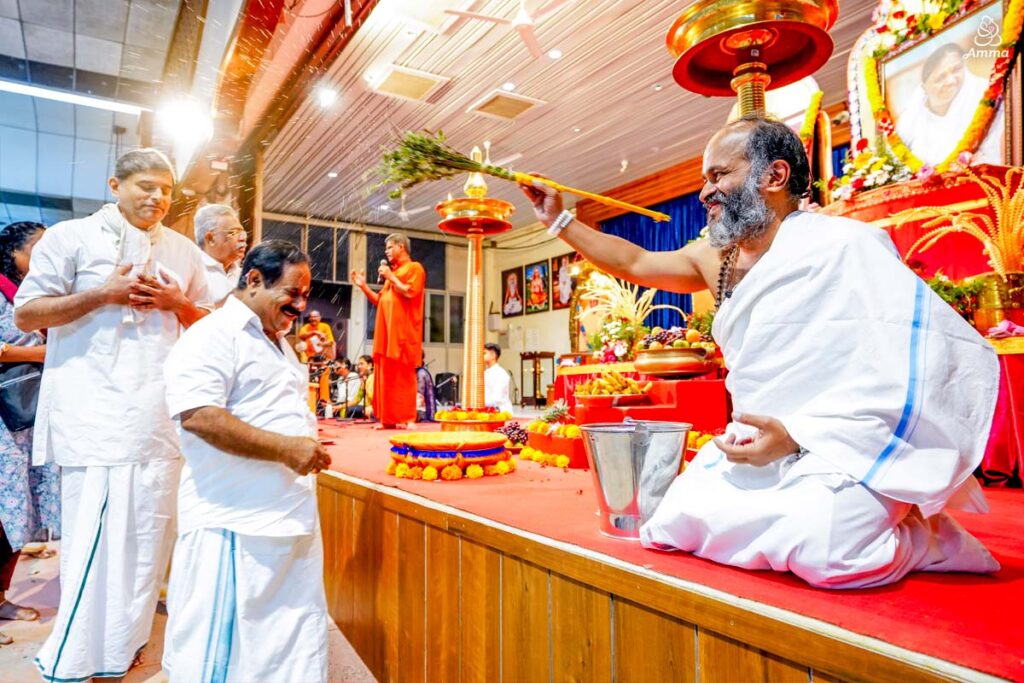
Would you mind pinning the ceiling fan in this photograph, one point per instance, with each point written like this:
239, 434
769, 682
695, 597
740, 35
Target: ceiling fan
523, 22
404, 213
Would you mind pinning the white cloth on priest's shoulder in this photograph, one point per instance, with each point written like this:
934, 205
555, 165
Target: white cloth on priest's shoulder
887, 388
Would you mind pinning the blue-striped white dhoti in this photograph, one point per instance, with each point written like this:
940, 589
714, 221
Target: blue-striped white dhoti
246, 608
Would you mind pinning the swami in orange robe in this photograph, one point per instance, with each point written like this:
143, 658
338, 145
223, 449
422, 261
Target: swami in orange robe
398, 336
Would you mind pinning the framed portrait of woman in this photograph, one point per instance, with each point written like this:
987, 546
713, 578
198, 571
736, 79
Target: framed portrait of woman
512, 301
537, 291
933, 87
561, 281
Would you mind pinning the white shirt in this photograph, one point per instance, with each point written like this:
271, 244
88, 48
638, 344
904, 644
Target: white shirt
225, 360
220, 282
496, 388
101, 400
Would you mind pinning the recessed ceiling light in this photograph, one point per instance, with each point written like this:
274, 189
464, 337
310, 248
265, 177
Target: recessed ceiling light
555, 54
508, 86
577, 130
332, 174
657, 86
325, 96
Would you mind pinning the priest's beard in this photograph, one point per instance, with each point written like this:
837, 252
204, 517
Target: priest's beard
744, 214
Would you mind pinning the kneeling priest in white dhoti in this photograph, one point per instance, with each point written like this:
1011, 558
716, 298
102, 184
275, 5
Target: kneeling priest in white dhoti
863, 401
246, 598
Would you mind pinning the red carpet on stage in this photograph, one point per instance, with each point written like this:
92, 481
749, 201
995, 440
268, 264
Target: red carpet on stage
975, 621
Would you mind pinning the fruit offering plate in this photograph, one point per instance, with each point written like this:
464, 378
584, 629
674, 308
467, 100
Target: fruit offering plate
675, 363
612, 400
449, 456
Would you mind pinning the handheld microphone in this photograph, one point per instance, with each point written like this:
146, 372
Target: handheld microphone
380, 276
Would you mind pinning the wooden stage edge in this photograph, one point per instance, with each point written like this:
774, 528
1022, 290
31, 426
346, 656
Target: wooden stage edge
427, 592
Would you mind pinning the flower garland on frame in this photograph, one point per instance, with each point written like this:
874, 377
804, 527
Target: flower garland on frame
810, 119
919, 26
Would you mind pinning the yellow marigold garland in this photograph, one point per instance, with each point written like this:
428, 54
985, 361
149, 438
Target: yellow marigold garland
810, 119
1013, 21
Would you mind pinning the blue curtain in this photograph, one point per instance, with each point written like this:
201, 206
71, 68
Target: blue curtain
838, 157
688, 218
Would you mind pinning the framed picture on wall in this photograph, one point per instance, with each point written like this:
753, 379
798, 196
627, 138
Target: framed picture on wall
512, 301
538, 293
561, 280
934, 87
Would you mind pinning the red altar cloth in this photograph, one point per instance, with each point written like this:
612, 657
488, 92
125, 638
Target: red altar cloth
1004, 456
957, 255
957, 617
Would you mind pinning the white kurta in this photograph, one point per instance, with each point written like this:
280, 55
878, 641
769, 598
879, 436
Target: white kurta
101, 401
220, 282
262, 615
497, 384
886, 387
102, 416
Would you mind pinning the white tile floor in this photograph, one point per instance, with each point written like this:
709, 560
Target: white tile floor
36, 585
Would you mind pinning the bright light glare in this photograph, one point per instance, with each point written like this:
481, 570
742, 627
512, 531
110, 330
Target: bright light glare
555, 54
332, 174
184, 121
508, 86
325, 96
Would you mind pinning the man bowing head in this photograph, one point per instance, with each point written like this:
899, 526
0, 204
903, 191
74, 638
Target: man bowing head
246, 598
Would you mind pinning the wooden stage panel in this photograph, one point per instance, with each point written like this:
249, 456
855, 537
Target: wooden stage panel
668, 652
443, 596
412, 601
724, 659
427, 593
480, 623
581, 631
525, 622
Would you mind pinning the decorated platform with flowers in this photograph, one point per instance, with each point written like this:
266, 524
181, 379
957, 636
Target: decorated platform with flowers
529, 581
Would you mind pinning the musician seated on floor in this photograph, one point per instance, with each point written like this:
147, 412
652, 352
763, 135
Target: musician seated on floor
863, 401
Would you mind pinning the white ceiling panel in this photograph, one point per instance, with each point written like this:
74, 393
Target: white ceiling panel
85, 207
56, 159
55, 117
96, 54
11, 42
151, 22
94, 124
142, 63
9, 8
57, 14
49, 45
17, 160
16, 111
614, 53
91, 169
18, 212
101, 18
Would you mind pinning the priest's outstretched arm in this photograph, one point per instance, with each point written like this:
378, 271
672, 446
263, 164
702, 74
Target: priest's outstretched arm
683, 270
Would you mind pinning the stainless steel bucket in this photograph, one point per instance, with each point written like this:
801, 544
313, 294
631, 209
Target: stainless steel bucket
633, 463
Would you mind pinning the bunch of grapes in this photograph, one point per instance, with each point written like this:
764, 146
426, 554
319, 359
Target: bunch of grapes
514, 432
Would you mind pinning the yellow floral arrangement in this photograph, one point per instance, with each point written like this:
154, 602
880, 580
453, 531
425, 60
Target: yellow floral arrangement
897, 27
810, 119
545, 459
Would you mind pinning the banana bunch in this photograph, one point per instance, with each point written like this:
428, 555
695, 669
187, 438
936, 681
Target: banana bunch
612, 383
